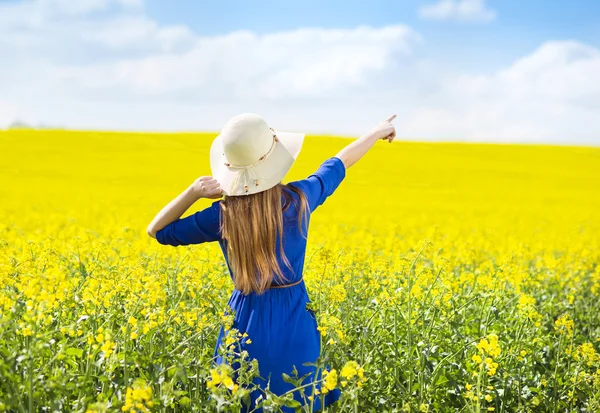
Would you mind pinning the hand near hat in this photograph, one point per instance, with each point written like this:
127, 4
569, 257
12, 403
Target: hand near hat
206, 187
203, 187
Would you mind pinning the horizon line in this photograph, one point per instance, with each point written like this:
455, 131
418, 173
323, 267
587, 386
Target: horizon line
317, 134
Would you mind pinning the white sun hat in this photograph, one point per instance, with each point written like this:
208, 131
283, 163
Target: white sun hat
248, 156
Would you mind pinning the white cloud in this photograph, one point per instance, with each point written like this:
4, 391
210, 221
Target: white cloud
123, 70
300, 63
550, 95
461, 10
136, 32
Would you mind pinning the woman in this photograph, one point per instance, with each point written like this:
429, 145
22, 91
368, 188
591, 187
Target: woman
261, 226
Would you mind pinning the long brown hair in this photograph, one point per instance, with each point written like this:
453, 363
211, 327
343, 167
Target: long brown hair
250, 224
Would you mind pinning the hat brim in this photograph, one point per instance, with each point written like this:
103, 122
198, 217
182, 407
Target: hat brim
264, 175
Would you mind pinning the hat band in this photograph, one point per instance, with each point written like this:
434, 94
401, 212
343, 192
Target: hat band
262, 158
249, 169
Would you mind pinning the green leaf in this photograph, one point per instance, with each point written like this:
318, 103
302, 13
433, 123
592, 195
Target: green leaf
73, 351
71, 362
441, 380
294, 404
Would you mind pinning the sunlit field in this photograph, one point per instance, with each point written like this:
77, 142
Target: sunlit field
445, 278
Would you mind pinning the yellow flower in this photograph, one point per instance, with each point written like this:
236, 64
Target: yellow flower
215, 378
564, 325
349, 370
228, 382
220, 375
587, 353
489, 345
138, 398
330, 380
108, 348
337, 294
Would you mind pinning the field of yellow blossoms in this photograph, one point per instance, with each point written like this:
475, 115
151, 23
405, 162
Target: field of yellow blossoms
445, 277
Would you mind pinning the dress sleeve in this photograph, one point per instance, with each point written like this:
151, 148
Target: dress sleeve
203, 226
322, 183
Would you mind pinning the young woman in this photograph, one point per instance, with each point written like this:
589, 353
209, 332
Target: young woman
261, 226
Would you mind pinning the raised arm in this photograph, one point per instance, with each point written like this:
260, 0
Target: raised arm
357, 149
203, 187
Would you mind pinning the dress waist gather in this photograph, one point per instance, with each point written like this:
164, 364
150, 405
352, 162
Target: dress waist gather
286, 285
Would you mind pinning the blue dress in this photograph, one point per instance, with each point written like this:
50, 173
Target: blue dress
282, 330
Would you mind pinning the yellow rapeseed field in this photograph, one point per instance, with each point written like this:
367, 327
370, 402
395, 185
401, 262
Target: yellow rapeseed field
445, 277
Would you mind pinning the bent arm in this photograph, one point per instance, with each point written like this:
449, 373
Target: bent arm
357, 149
173, 211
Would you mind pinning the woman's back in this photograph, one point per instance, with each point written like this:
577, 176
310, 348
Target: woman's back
281, 332
204, 226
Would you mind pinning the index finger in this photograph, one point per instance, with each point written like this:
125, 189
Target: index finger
391, 118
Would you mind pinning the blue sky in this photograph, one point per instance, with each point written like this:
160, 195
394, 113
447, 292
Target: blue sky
538, 20
474, 70
518, 28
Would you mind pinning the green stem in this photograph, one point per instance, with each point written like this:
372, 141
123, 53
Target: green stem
479, 388
554, 402
30, 374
